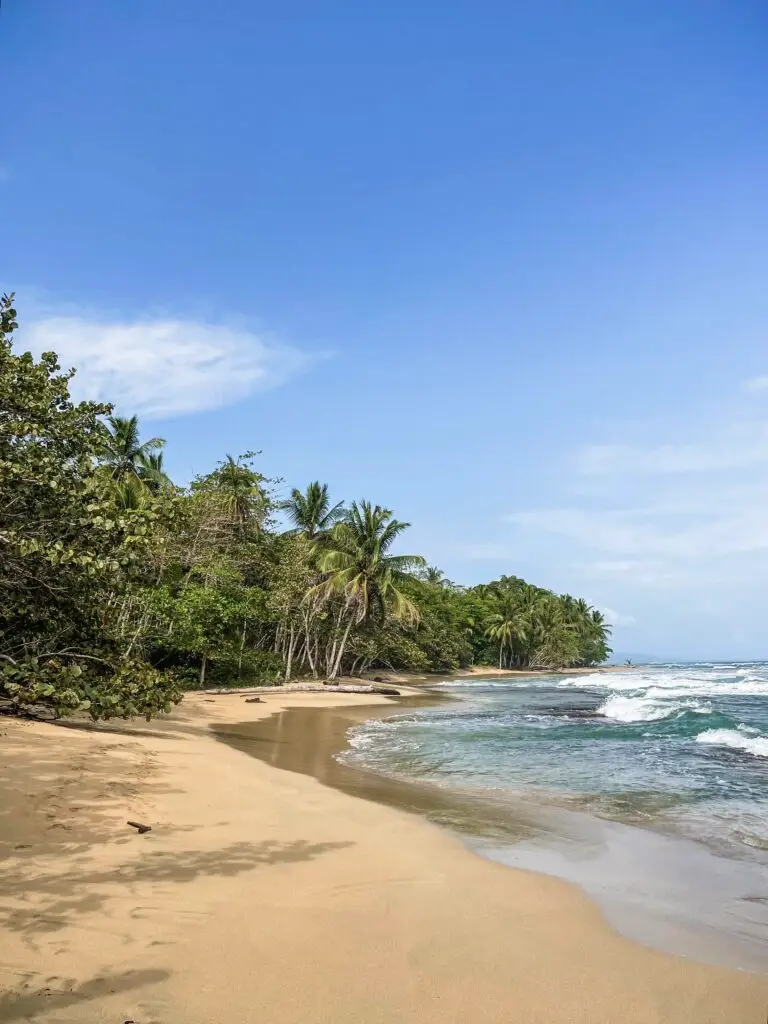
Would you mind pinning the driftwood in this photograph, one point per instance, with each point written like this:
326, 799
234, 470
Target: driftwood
141, 828
241, 691
253, 700
386, 691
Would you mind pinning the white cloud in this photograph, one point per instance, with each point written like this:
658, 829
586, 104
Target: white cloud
164, 368
737, 448
617, 618
632, 534
757, 383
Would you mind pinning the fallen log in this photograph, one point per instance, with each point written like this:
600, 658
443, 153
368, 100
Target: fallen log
384, 691
240, 691
141, 828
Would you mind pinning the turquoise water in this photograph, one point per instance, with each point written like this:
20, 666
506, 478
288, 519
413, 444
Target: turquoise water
677, 748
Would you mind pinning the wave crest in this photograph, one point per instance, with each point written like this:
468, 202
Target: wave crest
756, 745
745, 681
647, 709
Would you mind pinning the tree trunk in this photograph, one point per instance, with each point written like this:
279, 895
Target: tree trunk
342, 645
310, 659
240, 657
301, 655
203, 664
289, 657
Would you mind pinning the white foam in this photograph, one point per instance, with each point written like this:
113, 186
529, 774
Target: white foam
743, 681
757, 745
646, 709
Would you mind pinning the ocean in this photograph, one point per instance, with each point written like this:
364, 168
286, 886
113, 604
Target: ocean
648, 787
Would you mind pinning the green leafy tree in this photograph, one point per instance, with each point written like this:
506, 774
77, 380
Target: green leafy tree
241, 494
68, 556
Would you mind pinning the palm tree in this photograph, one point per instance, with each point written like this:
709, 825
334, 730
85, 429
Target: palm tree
124, 451
598, 635
435, 577
504, 628
128, 493
311, 512
555, 638
359, 570
241, 489
150, 470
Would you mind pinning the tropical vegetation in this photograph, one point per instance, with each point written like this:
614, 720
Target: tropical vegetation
120, 589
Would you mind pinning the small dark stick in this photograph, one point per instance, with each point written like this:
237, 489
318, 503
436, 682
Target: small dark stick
141, 828
253, 700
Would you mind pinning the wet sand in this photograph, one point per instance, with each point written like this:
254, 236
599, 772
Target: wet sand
263, 895
662, 890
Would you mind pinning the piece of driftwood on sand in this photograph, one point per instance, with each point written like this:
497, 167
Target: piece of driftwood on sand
384, 691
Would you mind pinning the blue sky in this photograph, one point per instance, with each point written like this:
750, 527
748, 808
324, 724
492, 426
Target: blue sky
501, 266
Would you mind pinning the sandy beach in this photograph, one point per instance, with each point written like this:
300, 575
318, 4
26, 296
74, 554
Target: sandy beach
262, 895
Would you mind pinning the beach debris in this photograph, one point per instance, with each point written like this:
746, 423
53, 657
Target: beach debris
254, 700
139, 827
384, 691
300, 687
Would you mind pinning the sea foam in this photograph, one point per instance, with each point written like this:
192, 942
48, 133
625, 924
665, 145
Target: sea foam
677, 682
736, 740
622, 708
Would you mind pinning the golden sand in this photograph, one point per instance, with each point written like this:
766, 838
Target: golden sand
262, 896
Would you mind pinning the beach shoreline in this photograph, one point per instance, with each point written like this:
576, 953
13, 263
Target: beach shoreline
262, 894
693, 901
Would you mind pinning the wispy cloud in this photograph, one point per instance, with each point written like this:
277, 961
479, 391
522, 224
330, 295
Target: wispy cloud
639, 533
757, 383
164, 367
739, 447
617, 618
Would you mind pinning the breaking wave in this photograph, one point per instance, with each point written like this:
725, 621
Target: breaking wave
736, 740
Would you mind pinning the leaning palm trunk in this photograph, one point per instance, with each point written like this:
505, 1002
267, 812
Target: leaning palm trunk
308, 644
342, 645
